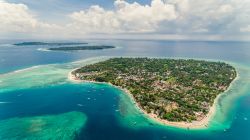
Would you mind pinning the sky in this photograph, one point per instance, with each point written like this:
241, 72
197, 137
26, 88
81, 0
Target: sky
125, 19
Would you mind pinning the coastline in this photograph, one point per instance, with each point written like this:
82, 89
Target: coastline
202, 124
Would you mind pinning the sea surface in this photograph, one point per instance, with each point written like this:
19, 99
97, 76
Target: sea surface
37, 101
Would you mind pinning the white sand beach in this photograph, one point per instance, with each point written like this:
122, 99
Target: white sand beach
188, 125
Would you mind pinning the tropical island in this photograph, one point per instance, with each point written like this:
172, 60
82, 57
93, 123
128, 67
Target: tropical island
175, 92
101, 47
48, 44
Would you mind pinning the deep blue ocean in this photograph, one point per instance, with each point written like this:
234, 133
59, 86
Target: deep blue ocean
33, 83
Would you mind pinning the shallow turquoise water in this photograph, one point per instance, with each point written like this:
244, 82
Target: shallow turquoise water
44, 90
65, 126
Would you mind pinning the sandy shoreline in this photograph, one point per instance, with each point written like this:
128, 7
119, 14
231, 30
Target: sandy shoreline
202, 124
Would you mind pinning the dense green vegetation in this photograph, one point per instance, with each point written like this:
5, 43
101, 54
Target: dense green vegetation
81, 48
47, 44
175, 90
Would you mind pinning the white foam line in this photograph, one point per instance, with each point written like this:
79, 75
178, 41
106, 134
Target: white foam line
79, 62
43, 49
6, 45
22, 70
5, 102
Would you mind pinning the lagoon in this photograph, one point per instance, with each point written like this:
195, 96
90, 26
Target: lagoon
34, 84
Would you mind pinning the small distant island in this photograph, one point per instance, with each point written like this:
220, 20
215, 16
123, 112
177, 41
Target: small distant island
101, 47
175, 92
48, 44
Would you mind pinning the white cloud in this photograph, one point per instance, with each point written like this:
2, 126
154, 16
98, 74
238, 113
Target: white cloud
125, 17
164, 17
94, 19
245, 29
17, 19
